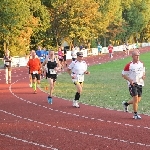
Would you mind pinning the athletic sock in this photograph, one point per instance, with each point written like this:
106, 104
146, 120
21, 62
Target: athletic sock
34, 86
126, 103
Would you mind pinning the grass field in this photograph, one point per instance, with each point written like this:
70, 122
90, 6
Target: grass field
1, 63
105, 86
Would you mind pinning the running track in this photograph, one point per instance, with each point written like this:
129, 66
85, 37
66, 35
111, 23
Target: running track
28, 122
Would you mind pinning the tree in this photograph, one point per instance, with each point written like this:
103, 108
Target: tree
13, 14
136, 17
20, 20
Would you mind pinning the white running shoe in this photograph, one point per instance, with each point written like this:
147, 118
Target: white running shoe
30, 85
137, 117
77, 104
125, 107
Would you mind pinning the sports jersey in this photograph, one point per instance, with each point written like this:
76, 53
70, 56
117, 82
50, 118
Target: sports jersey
50, 66
110, 49
41, 54
135, 72
34, 65
7, 61
60, 54
99, 47
78, 68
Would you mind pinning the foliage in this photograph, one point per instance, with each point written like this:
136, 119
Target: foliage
26, 24
19, 20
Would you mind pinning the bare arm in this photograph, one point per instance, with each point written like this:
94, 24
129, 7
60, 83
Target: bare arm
127, 78
69, 71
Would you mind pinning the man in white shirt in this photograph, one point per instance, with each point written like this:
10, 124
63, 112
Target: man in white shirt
134, 73
76, 70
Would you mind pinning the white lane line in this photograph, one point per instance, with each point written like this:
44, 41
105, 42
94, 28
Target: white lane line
76, 131
77, 115
29, 142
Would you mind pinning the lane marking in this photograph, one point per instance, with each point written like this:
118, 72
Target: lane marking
76, 131
74, 114
29, 142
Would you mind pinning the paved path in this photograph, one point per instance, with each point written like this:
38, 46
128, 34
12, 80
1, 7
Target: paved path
28, 122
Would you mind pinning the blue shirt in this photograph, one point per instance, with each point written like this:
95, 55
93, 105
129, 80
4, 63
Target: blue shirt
41, 55
99, 47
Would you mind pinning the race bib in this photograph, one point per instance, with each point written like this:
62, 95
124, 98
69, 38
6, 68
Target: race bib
35, 72
80, 78
52, 71
6, 63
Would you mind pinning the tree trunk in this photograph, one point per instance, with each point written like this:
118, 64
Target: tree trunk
104, 41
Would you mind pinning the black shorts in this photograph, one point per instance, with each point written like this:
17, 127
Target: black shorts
61, 60
75, 83
7, 67
135, 90
52, 76
64, 57
37, 76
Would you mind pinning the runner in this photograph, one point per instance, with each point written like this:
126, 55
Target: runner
60, 57
124, 49
127, 48
34, 65
7, 65
76, 70
64, 56
74, 53
99, 47
134, 73
110, 49
27, 59
41, 53
52, 65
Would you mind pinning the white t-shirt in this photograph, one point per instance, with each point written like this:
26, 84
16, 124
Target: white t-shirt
135, 72
78, 69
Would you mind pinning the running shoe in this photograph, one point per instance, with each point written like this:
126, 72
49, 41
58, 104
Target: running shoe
6, 82
35, 92
125, 107
49, 100
30, 85
76, 104
136, 116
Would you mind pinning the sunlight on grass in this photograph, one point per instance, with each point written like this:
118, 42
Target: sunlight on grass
105, 87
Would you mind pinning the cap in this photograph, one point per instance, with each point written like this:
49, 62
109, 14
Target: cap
79, 53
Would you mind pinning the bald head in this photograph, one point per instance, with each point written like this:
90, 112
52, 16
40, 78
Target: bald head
135, 56
135, 53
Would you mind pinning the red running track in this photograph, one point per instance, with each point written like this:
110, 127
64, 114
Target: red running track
28, 122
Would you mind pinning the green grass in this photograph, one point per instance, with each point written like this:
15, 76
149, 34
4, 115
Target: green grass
105, 86
1, 63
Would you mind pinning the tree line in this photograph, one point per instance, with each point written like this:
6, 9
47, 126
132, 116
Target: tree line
26, 24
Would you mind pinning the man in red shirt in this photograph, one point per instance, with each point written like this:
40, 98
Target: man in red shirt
35, 69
